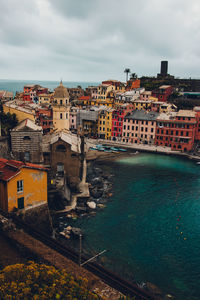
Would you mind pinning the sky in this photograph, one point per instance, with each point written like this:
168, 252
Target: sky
95, 40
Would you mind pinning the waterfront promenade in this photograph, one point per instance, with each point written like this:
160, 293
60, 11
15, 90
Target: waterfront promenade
141, 148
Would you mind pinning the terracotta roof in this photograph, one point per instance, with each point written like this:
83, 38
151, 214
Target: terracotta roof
10, 168
84, 98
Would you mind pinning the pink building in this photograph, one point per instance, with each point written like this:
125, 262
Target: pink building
140, 127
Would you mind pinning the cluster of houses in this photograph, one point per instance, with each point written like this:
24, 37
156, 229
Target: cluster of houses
50, 125
111, 111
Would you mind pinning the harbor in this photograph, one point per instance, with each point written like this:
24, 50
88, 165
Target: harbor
150, 206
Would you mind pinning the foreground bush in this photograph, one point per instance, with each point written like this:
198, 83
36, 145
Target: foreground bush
38, 281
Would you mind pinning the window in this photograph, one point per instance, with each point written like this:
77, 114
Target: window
61, 116
26, 138
66, 116
61, 148
61, 102
27, 156
60, 168
20, 186
20, 203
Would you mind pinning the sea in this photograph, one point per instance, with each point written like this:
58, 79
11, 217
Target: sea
18, 85
151, 225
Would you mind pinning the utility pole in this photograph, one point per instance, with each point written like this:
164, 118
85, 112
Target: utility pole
80, 253
80, 248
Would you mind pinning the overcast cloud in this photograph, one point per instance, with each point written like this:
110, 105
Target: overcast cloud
93, 40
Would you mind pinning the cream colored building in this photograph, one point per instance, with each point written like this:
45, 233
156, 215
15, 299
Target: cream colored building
61, 108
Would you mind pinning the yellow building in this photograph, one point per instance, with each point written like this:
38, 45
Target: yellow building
22, 111
22, 185
61, 108
45, 98
103, 90
142, 104
105, 123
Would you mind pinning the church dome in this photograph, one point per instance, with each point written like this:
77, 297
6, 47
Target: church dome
61, 91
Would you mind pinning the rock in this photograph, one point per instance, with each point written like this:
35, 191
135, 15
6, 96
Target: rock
168, 296
101, 205
96, 193
98, 171
91, 204
97, 182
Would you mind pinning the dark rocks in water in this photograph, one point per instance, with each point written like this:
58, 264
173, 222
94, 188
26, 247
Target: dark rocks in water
97, 181
81, 209
96, 192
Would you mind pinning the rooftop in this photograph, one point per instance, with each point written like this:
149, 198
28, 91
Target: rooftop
186, 113
28, 124
61, 91
142, 115
163, 87
167, 116
11, 168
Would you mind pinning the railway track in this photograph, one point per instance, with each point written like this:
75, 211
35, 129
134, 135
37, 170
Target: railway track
108, 277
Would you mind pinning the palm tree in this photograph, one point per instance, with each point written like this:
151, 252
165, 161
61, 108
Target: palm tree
127, 71
133, 76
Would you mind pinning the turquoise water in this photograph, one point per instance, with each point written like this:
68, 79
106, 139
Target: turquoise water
18, 85
151, 225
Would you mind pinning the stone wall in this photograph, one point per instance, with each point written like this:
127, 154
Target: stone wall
27, 141
62, 154
4, 147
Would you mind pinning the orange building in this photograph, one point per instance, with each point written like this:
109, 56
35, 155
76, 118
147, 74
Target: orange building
133, 84
22, 185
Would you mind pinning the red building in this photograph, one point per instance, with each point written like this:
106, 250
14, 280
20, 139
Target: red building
26, 97
197, 131
176, 130
118, 119
44, 118
28, 88
163, 92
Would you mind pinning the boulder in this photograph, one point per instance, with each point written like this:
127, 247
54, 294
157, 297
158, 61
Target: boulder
97, 182
96, 193
91, 204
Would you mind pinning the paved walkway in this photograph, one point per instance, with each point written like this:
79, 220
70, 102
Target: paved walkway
138, 147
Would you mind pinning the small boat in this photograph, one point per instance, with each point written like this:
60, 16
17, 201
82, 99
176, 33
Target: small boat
122, 150
114, 149
198, 163
93, 148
